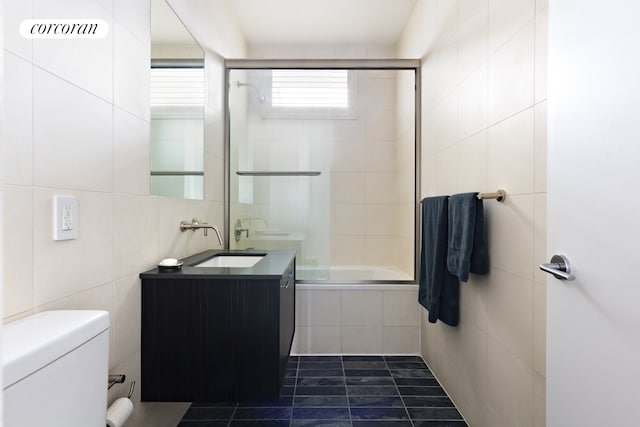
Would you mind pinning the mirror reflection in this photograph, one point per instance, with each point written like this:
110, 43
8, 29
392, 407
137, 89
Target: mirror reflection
177, 107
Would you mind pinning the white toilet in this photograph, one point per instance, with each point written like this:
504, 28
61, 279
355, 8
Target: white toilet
55, 369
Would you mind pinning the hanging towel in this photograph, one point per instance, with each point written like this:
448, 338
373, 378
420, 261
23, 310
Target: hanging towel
467, 250
439, 290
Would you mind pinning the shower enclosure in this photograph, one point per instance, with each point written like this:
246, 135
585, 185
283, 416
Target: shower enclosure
322, 159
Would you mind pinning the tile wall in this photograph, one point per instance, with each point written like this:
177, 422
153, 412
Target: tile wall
77, 124
356, 321
484, 128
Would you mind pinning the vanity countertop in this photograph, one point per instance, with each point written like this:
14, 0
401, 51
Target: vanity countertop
273, 265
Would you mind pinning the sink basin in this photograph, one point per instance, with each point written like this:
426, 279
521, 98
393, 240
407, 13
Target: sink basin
231, 261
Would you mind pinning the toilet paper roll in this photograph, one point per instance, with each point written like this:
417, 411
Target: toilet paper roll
119, 412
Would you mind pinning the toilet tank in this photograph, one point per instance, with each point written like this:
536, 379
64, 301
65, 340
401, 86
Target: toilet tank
55, 369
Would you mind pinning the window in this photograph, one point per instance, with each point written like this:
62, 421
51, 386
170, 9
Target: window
310, 88
177, 86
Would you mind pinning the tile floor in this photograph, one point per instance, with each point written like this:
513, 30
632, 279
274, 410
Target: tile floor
342, 391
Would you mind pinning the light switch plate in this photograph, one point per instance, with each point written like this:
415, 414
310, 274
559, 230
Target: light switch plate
65, 218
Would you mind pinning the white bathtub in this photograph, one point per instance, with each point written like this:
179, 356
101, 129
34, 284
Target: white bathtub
362, 274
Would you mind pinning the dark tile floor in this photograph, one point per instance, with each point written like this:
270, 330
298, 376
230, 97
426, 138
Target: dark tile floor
342, 391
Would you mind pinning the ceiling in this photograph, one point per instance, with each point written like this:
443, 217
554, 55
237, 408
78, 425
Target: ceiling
377, 22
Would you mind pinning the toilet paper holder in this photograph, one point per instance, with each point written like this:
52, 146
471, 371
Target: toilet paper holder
116, 379
119, 379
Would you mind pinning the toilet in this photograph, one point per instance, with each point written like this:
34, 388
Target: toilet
55, 369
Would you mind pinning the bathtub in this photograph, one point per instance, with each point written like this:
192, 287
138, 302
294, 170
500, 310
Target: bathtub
344, 311
363, 273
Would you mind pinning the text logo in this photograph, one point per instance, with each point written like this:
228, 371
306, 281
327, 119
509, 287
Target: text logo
64, 29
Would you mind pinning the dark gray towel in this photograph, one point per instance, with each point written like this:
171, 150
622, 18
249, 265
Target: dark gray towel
438, 291
467, 246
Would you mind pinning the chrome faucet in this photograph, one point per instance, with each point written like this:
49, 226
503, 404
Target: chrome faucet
195, 224
237, 232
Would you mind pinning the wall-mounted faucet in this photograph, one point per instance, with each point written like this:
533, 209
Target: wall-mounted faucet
237, 231
195, 224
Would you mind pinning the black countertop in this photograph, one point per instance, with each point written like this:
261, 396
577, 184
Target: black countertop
272, 265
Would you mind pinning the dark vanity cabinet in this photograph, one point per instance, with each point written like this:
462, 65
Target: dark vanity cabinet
218, 334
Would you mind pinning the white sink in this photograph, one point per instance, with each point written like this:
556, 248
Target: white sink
231, 261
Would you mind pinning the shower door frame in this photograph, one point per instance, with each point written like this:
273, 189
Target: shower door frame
331, 64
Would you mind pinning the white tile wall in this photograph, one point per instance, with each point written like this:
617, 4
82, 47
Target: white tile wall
489, 56
17, 129
72, 136
77, 123
357, 321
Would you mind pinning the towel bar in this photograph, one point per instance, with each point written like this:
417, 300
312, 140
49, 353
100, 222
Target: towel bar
499, 195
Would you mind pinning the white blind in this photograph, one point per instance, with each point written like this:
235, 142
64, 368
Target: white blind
310, 88
177, 86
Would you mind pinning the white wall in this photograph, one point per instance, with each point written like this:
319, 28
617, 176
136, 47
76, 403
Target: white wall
77, 123
484, 128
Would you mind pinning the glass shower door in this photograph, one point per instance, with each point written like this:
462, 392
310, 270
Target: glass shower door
279, 176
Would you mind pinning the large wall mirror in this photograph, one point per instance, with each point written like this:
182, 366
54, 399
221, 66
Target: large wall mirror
178, 96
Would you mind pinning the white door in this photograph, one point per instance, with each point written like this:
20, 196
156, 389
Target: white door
593, 323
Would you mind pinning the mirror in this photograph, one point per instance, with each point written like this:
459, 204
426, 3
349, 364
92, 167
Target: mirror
177, 107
